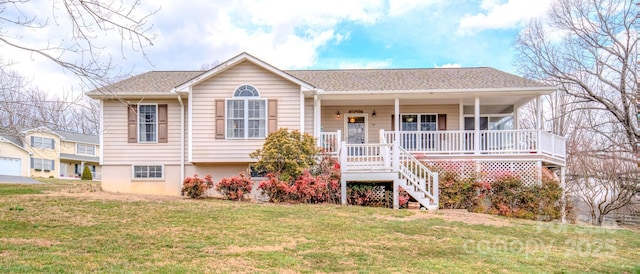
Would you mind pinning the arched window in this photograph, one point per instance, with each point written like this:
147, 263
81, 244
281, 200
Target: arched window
246, 91
246, 114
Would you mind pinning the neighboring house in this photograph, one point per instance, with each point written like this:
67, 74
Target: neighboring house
44, 153
381, 123
14, 158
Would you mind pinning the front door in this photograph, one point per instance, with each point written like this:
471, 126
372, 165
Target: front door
356, 128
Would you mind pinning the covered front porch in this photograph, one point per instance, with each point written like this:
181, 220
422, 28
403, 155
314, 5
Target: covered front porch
391, 137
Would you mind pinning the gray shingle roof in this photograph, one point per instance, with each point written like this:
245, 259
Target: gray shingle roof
12, 138
79, 137
152, 81
412, 79
352, 80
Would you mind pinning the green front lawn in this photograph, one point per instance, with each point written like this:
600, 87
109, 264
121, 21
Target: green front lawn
71, 227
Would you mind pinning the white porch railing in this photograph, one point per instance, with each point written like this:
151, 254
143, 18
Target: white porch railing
329, 142
420, 182
491, 142
365, 157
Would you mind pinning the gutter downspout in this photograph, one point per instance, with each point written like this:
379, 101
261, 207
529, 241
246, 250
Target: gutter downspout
181, 141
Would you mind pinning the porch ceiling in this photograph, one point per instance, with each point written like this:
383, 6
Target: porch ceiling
420, 97
375, 101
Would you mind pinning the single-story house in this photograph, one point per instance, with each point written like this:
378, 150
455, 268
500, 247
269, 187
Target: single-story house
382, 124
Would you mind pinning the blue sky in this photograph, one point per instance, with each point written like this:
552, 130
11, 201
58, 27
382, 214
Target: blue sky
328, 34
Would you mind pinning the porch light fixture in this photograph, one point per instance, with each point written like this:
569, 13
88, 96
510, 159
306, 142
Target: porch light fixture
352, 120
373, 114
338, 114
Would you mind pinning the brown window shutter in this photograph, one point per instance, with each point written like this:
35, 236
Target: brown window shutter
132, 123
442, 122
273, 116
162, 124
219, 119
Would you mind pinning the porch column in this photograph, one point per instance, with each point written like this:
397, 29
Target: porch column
539, 112
396, 144
563, 217
516, 125
396, 196
476, 135
317, 119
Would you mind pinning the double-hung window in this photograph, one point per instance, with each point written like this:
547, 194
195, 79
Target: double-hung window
246, 114
147, 123
42, 142
85, 149
42, 164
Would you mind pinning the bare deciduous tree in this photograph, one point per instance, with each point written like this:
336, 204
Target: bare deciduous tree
79, 49
588, 49
22, 107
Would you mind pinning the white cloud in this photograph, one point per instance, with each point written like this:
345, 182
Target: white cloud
362, 64
503, 16
400, 7
449, 65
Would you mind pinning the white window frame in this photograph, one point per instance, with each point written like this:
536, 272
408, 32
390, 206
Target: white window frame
85, 149
489, 116
245, 100
140, 128
42, 142
133, 172
41, 161
418, 114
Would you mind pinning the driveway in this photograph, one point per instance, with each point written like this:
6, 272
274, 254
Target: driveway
6, 179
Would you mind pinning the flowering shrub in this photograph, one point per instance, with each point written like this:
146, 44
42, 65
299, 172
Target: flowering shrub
277, 190
194, 187
460, 193
286, 153
511, 198
235, 188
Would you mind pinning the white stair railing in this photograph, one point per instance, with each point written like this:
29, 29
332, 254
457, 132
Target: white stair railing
421, 183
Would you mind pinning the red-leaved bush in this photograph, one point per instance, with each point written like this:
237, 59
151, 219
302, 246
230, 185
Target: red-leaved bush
277, 190
235, 188
194, 187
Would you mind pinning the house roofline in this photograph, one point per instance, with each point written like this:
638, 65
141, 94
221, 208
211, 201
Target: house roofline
5, 140
186, 87
476, 91
138, 95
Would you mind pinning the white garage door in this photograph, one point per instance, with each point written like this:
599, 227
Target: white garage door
10, 166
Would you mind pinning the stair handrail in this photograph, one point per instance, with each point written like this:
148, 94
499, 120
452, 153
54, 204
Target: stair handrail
413, 179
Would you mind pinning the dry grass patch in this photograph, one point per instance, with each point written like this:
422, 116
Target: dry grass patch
76, 227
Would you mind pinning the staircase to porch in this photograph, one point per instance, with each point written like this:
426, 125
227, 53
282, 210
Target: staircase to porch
388, 162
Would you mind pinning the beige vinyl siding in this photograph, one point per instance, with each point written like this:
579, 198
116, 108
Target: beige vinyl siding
308, 115
383, 117
117, 150
68, 147
43, 153
206, 148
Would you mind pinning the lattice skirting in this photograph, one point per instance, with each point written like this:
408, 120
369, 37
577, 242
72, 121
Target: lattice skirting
490, 171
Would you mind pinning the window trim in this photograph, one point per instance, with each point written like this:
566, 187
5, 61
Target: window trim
138, 124
51, 142
489, 116
418, 114
133, 172
86, 145
245, 100
42, 160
